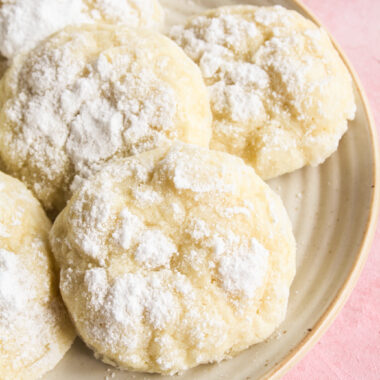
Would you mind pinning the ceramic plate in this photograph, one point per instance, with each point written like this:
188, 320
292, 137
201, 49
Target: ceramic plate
333, 209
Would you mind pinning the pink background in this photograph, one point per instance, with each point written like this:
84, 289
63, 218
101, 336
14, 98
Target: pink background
350, 350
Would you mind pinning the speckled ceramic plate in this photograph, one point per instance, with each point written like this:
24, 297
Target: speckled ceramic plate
333, 209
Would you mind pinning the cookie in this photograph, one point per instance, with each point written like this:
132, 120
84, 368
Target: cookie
174, 257
23, 23
280, 94
91, 93
35, 331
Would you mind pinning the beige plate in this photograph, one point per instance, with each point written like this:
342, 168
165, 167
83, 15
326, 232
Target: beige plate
333, 209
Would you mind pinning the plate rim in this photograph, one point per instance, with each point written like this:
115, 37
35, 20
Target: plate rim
335, 306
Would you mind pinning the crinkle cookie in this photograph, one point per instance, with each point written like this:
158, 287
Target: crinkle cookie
280, 94
89, 94
35, 331
23, 23
174, 257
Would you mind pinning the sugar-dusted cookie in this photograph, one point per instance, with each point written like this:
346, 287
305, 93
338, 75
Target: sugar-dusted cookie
35, 331
91, 93
23, 23
280, 93
173, 258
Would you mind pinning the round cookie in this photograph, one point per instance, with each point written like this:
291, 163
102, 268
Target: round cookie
280, 94
23, 23
173, 258
91, 93
35, 330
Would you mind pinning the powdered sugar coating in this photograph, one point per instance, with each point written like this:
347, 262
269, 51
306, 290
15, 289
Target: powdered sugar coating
23, 23
89, 94
13, 296
154, 249
200, 273
35, 331
236, 270
280, 94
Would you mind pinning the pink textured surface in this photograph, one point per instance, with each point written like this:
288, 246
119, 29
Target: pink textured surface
350, 350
